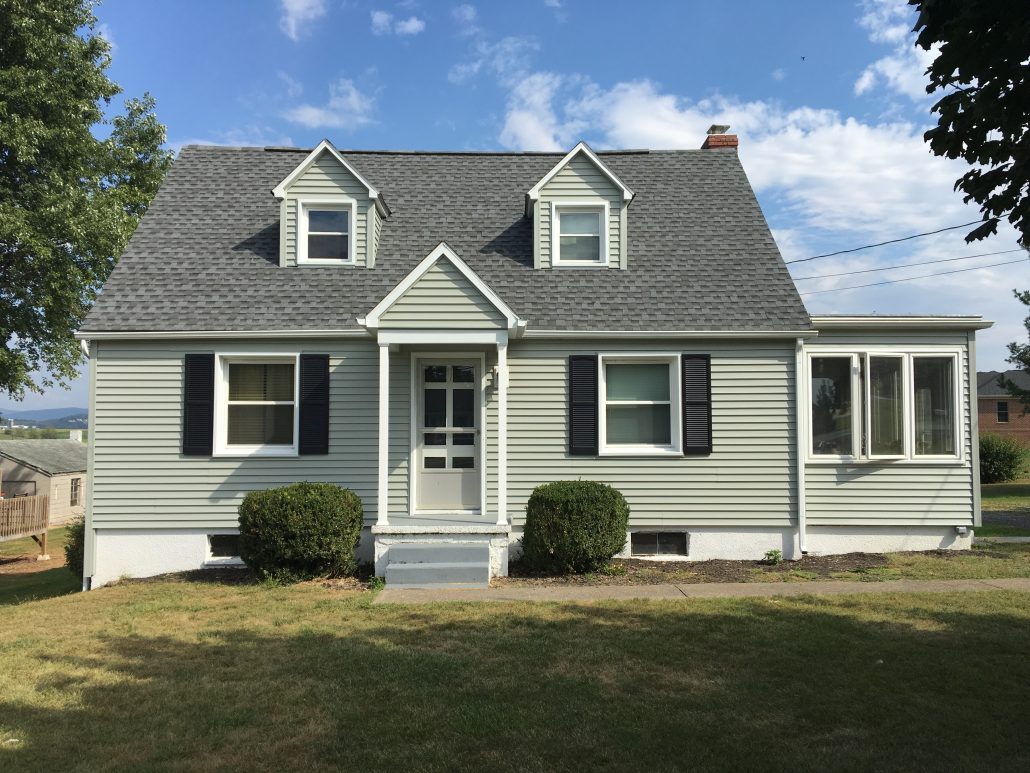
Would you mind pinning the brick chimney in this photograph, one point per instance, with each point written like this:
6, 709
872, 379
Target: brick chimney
718, 138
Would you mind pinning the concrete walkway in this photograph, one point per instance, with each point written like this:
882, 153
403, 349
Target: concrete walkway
707, 590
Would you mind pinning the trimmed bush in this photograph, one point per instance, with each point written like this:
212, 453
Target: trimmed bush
1001, 458
75, 547
574, 526
300, 531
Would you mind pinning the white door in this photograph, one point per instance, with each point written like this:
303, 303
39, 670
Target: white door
447, 443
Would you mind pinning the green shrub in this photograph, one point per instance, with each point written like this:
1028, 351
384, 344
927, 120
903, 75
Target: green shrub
300, 531
574, 526
75, 547
1001, 458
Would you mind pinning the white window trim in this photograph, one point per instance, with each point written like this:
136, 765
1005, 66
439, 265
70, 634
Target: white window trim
601, 207
221, 428
860, 418
212, 560
344, 203
675, 447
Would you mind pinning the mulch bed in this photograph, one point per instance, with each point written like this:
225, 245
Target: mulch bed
637, 572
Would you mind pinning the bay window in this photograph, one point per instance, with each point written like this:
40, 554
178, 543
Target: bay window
640, 405
884, 405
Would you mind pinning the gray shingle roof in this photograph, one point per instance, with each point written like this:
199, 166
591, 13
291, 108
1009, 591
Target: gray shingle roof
987, 382
49, 456
205, 257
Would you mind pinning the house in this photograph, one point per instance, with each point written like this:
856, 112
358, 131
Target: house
442, 332
998, 411
53, 467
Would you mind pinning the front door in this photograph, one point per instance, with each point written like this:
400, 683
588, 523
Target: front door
448, 436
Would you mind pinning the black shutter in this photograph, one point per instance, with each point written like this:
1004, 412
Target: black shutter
314, 404
583, 405
697, 404
198, 407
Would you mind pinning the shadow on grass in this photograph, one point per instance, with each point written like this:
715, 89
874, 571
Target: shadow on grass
798, 685
33, 586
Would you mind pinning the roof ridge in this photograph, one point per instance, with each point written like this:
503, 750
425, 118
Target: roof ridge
399, 152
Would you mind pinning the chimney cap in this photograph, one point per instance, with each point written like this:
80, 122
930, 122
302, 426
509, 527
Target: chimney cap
718, 128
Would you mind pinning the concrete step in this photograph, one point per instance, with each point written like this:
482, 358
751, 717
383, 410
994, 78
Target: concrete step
439, 552
444, 574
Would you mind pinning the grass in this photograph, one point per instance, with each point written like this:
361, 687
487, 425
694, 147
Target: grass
986, 562
56, 539
1013, 496
1000, 530
200, 676
47, 583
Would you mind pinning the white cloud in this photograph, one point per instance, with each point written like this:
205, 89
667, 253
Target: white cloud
348, 108
508, 60
889, 22
383, 23
294, 88
297, 15
779, 74
466, 16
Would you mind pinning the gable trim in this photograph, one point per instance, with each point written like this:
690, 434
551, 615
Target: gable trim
582, 147
371, 320
280, 191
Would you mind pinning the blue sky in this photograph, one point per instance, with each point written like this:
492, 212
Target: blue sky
827, 99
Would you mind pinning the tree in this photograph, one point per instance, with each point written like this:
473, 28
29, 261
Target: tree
69, 200
983, 48
1019, 355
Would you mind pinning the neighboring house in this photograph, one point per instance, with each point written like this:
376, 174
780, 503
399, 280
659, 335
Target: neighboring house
54, 467
998, 411
442, 332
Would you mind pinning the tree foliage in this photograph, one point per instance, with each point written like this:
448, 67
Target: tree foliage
982, 63
69, 199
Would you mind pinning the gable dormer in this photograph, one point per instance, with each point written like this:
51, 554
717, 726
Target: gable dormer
329, 214
579, 214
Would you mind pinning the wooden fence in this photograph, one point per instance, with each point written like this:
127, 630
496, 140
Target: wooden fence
25, 517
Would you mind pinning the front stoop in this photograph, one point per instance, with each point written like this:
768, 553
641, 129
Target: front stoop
458, 556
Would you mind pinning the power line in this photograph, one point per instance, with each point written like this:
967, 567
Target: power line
911, 278
889, 241
905, 265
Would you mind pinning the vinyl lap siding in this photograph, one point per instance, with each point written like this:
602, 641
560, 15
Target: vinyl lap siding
327, 178
442, 298
748, 480
142, 480
581, 180
894, 493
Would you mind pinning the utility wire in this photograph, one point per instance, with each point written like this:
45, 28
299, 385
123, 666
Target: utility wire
905, 265
889, 241
911, 278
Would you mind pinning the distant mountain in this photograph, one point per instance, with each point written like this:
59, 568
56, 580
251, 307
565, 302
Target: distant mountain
48, 417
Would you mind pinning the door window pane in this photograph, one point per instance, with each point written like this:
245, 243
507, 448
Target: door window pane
639, 424
934, 405
886, 406
434, 438
832, 406
435, 374
434, 462
464, 374
463, 462
463, 439
435, 413
269, 382
463, 407
257, 425
636, 381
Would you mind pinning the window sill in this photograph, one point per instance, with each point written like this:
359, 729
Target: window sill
843, 461
575, 264
326, 262
638, 452
239, 453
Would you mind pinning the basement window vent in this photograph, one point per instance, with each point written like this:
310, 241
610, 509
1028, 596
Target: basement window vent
658, 543
223, 547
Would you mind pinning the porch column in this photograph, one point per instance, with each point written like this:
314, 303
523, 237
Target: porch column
502, 434
382, 500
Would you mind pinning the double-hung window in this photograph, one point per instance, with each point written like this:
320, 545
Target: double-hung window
326, 233
257, 405
1003, 411
579, 237
640, 405
884, 405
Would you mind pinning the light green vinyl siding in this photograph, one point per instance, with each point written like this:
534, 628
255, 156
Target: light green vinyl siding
442, 298
894, 493
748, 480
580, 180
140, 477
326, 178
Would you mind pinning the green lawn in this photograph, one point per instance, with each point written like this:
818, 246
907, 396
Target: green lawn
1006, 496
1000, 530
199, 676
56, 539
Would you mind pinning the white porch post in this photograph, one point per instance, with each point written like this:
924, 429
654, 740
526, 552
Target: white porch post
382, 500
502, 434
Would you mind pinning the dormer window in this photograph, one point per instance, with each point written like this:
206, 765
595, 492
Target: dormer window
325, 233
579, 234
